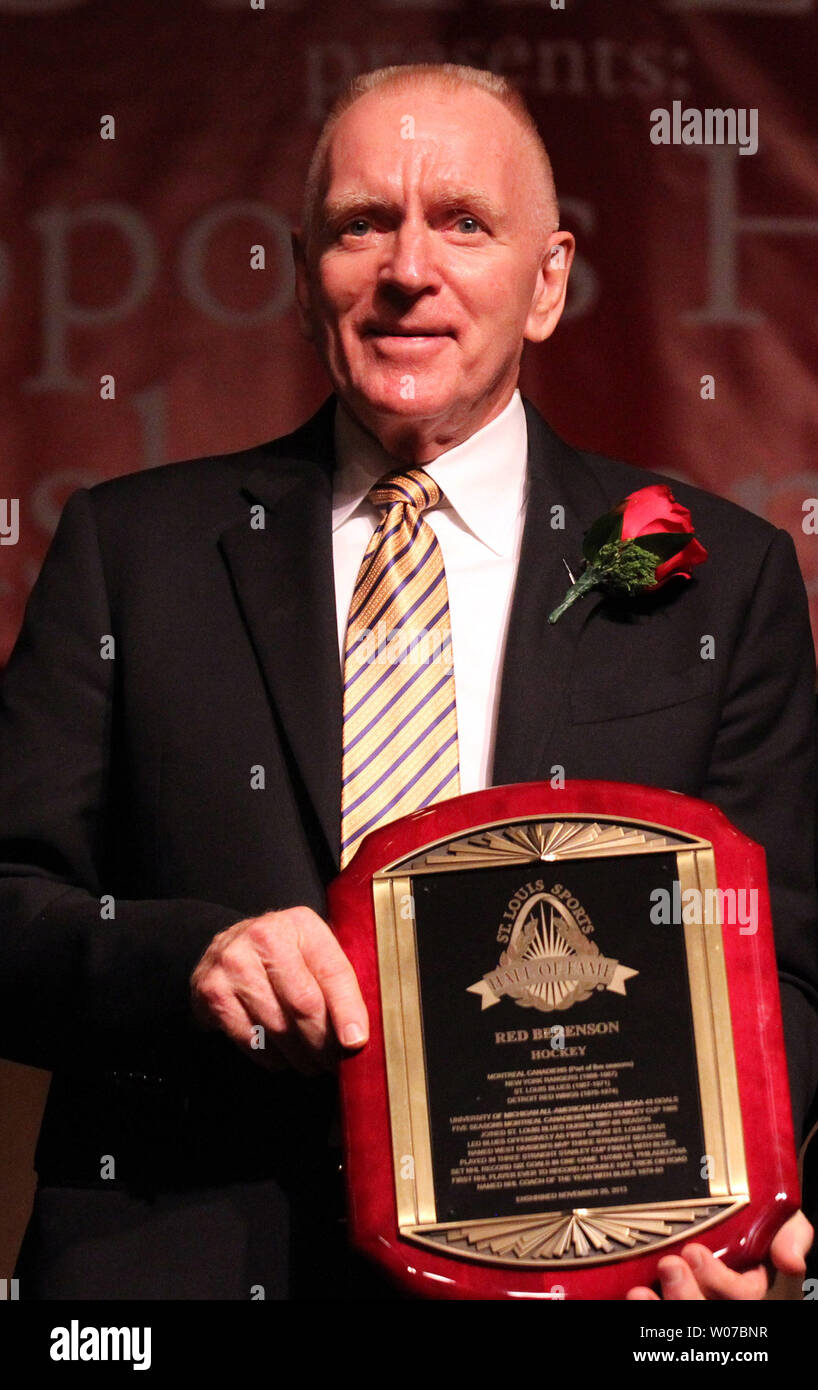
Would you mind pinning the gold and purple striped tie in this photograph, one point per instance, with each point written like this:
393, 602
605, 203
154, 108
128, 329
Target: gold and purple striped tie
400, 716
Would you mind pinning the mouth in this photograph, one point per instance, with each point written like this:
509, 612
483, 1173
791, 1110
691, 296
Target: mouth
416, 334
402, 344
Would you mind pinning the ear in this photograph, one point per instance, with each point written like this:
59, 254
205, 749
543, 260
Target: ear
302, 282
548, 300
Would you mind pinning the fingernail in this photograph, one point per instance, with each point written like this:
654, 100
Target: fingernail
352, 1035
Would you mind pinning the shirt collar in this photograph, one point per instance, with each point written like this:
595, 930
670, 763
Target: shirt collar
483, 478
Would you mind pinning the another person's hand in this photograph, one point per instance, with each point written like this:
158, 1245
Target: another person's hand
286, 972
696, 1273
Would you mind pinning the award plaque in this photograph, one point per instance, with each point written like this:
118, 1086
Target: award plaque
576, 1062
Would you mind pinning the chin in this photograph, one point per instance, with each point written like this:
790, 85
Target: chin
389, 398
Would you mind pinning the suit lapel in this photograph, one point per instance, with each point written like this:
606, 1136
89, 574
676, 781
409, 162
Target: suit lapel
285, 587
539, 655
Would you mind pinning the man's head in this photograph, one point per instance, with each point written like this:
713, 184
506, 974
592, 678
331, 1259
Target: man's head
429, 251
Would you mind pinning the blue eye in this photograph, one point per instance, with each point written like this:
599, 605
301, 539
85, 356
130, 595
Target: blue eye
475, 225
358, 226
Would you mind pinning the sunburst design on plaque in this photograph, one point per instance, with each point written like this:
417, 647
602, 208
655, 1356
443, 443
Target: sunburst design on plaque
544, 840
545, 940
584, 1234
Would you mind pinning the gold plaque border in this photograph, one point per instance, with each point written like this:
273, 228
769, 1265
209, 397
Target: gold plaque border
403, 1039
646, 1227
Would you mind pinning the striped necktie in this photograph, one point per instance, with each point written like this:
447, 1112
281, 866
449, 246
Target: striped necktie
400, 716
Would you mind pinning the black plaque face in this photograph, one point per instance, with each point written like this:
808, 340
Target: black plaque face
585, 1092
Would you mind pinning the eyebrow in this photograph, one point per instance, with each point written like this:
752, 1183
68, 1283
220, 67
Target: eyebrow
336, 211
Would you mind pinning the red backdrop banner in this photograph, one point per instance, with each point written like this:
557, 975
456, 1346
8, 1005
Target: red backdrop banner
146, 147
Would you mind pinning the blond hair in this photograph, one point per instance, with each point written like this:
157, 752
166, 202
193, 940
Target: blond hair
453, 77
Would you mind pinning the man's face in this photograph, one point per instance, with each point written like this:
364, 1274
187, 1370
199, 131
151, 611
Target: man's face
427, 272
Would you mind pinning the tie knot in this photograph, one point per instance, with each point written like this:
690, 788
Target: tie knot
414, 488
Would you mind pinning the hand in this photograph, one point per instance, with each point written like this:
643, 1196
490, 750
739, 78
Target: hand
696, 1273
285, 971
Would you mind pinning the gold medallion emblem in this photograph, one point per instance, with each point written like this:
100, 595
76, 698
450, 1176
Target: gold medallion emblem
550, 963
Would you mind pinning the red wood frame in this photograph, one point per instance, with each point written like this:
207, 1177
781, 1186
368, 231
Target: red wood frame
741, 1239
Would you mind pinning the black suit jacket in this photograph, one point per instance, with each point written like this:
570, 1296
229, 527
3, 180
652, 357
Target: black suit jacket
182, 635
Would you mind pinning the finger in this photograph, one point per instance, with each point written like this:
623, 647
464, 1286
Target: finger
791, 1244
279, 1034
263, 960
278, 1026
275, 1043
238, 1001
716, 1281
215, 1006
262, 1048
640, 1291
292, 984
218, 1007
677, 1280
338, 983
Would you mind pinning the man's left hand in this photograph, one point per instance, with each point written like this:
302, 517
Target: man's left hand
696, 1273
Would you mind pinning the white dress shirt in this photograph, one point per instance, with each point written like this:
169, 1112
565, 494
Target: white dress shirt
478, 524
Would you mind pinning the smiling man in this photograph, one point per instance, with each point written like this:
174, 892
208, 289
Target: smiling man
212, 780
423, 265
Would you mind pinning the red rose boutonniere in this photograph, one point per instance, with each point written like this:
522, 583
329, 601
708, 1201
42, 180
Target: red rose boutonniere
643, 542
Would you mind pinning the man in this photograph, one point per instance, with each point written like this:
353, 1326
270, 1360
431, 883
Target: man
176, 738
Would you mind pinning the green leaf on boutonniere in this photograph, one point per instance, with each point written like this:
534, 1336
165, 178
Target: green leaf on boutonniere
624, 567
606, 528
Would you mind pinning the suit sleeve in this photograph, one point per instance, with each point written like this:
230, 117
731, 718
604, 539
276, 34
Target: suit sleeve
76, 989
762, 774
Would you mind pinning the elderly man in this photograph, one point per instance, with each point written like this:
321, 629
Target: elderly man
183, 718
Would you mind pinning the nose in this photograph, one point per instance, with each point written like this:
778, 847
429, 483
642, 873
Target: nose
409, 262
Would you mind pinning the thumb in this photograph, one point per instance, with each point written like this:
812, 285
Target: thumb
791, 1244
